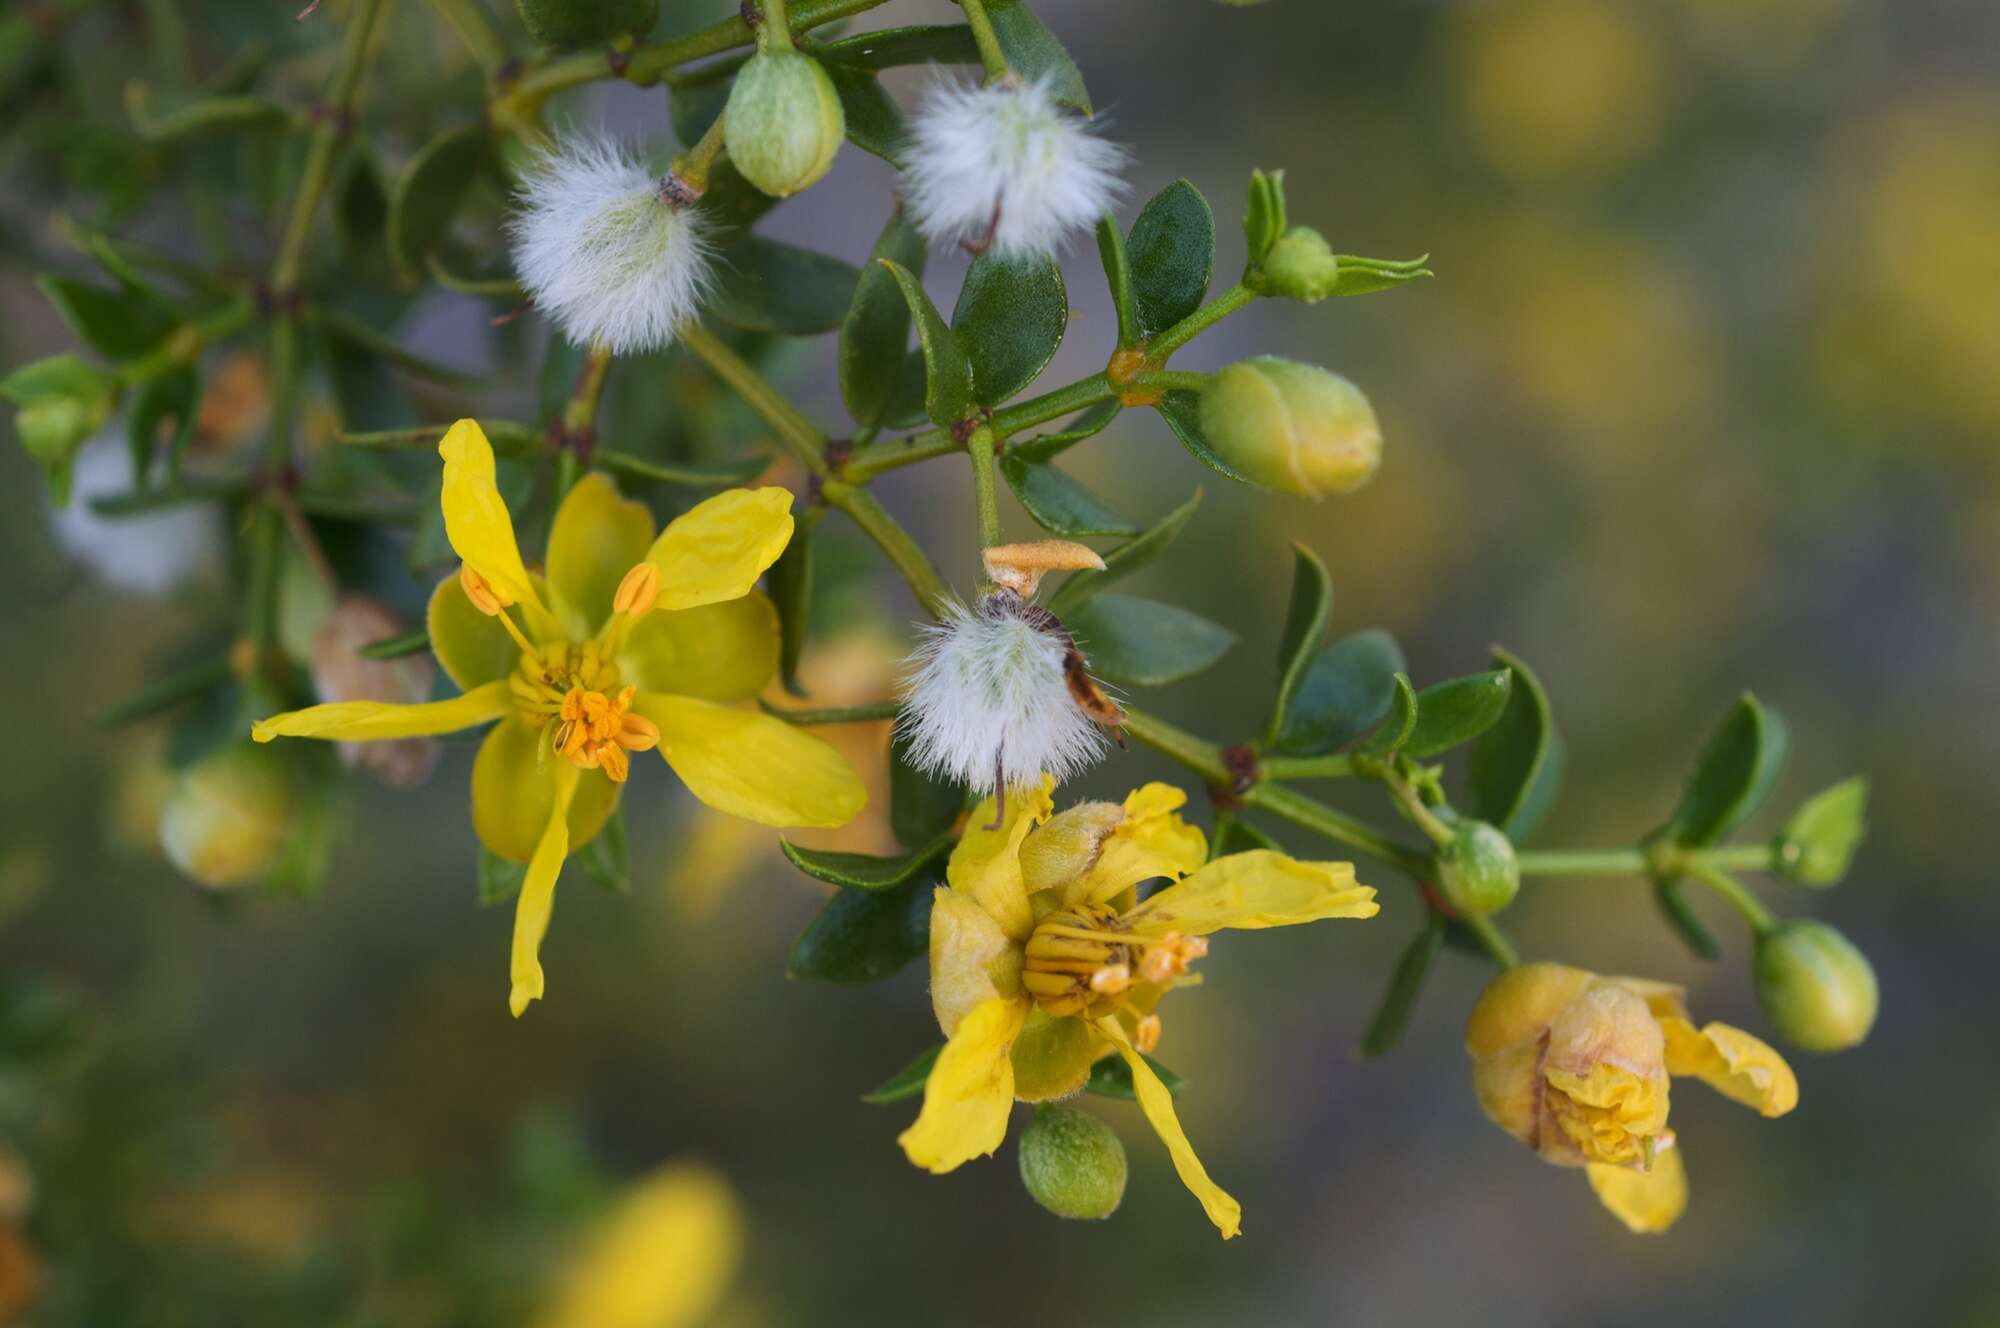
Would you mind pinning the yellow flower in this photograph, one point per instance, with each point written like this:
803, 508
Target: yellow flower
1576, 1066
662, 1258
1042, 962
627, 642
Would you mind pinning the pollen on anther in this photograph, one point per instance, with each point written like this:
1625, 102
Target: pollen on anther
481, 592
638, 592
1148, 1035
1111, 979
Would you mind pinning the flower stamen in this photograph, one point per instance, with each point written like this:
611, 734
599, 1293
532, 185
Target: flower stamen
491, 602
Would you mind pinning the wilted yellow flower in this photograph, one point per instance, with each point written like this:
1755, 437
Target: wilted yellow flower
626, 643
1041, 962
662, 1258
1576, 1066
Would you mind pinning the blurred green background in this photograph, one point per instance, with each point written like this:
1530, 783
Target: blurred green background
1705, 396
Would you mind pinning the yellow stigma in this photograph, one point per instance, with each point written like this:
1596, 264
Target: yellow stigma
1083, 962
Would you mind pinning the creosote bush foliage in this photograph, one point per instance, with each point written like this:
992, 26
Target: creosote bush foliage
615, 591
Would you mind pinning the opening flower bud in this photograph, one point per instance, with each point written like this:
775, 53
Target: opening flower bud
1300, 266
1072, 1164
1818, 989
1296, 428
1477, 870
227, 819
784, 122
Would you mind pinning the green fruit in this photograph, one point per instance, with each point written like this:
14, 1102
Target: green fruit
1072, 1164
784, 122
564, 25
1477, 870
1817, 987
1300, 266
1296, 428
227, 818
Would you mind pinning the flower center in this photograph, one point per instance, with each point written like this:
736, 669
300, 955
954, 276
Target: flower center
1085, 961
571, 691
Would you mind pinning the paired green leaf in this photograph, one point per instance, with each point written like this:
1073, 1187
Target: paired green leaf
1346, 691
1046, 446
1264, 216
1181, 409
1817, 845
1118, 276
1010, 317
1112, 1077
767, 286
916, 44
433, 187
1515, 767
906, 1082
1144, 643
874, 121
1033, 52
1172, 249
1305, 623
864, 871
1124, 560
876, 332
115, 323
1406, 983
1454, 712
947, 373
790, 584
1402, 722
1364, 276
1058, 503
865, 935
1734, 774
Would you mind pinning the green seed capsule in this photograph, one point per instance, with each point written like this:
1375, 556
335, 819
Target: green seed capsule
784, 122
227, 818
1300, 266
1296, 428
1817, 987
1072, 1164
1477, 870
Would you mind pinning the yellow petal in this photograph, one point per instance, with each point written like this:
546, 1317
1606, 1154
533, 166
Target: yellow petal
970, 1090
1735, 1064
595, 539
662, 1258
1158, 1104
476, 520
719, 548
1519, 1005
361, 721
514, 786
472, 648
972, 960
1647, 1202
1151, 840
718, 652
986, 865
752, 765
538, 893
1255, 889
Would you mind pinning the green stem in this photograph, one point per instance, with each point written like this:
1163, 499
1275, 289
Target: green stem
1308, 767
980, 448
1196, 323
773, 34
863, 714
647, 64
326, 136
469, 21
1497, 946
695, 165
870, 461
909, 558
509, 438
1171, 380
1739, 898
579, 417
167, 692
986, 39
1633, 862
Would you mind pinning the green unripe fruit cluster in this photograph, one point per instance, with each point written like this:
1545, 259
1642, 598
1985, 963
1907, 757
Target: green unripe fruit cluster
784, 122
1296, 428
228, 816
1818, 989
1072, 1164
1477, 870
565, 25
1300, 266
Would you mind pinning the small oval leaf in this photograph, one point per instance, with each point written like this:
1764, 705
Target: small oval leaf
429, 194
765, 286
906, 1082
875, 335
863, 871
1818, 843
865, 935
1515, 767
1732, 777
1305, 623
1124, 560
1010, 317
1181, 410
1058, 503
1402, 721
1144, 643
1112, 1077
947, 375
1457, 711
1346, 691
1172, 250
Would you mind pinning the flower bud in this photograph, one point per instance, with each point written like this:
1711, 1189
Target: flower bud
62, 402
1817, 987
784, 122
1477, 870
1296, 428
1300, 266
341, 673
564, 25
1072, 1164
227, 819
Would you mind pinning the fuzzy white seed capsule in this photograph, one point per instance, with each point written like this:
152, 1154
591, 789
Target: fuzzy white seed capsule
988, 693
607, 249
1005, 168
